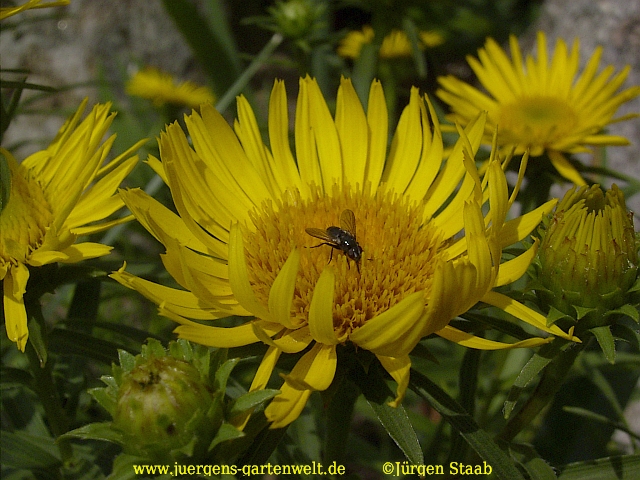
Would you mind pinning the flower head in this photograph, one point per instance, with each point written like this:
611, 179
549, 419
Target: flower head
394, 45
589, 255
6, 12
541, 104
241, 247
55, 196
161, 88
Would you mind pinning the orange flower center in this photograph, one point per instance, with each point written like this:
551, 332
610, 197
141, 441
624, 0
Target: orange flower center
399, 254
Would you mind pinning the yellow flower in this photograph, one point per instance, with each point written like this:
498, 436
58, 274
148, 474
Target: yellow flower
9, 11
394, 45
161, 88
539, 104
55, 196
240, 247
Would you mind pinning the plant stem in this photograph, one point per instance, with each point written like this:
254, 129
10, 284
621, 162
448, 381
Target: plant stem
45, 389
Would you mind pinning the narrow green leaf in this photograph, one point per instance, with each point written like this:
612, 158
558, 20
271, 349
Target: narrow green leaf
85, 302
618, 468
37, 341
21, 450
606, 341
225, 432
222, 374
364, 71
533, 367
339, 413
502, 465
67, 342
96, 431
10, 377
251, 400
213, 47
397, 424
538, 469
394, 420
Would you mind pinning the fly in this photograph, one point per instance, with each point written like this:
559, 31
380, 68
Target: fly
341, 238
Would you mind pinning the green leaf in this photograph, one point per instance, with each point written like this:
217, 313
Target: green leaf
222, 374
37, 341
85, 302
225, 432
11, 377
630, 311
251, 400
394, 420
606, 341
105, 399
533, 367
209, 38
21, 450
96, 431
619, 468
503, 466
69, 342
339, 413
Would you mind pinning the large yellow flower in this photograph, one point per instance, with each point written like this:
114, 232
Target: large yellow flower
541, 104
55, 196
162, 88
240, 245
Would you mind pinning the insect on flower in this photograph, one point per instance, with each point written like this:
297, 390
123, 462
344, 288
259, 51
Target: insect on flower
341, 238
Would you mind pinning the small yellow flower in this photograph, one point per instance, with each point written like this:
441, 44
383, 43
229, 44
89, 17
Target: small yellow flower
541, 104
239, 245
6, 12
394, 45
55, 196
161, 88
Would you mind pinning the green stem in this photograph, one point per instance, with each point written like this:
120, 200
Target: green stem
552, 379
45, 389
249, 72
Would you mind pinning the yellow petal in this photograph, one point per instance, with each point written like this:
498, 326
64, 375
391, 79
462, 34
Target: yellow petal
406, 146
286, 407
524, 313
315, 370
282, 290
378, 120
293, 341
289, 176
326, 137
353, 131
513, 269
471, 341
225, 337
321, 309
399, 369
72, 254
239, 276
180, 302
518, 228
396, 331
565, 168
15, 316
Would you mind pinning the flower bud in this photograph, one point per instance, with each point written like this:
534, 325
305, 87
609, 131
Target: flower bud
589, 255
161, 405
296, 19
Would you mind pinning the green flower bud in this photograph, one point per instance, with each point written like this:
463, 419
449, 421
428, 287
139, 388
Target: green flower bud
161, 405
296, 19
589, 256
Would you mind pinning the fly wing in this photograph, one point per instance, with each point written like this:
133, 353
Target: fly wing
321, 234
348, 222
